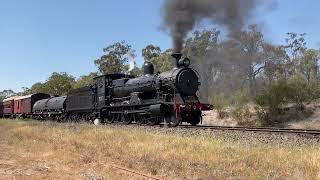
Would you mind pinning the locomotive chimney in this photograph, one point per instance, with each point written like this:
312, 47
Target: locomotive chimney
148, 68
176, 58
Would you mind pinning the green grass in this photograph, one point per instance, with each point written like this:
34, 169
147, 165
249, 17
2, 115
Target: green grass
169, 156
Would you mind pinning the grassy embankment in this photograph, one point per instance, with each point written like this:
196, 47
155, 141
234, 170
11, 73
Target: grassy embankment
37, 150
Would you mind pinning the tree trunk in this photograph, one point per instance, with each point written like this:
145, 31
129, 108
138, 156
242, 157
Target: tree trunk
252, 81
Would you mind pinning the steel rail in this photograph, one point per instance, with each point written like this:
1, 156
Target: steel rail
255, 129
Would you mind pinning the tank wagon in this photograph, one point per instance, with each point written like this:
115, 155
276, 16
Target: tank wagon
51, 108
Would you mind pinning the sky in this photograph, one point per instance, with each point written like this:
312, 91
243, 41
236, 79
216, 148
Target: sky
38, 37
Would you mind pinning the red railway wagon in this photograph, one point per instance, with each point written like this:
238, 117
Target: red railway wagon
8, 107
23, 105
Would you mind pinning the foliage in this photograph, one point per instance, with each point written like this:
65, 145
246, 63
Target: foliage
251, 45
274, 95
220, 102
163, 62
36, 88
302, 91
85, 80
115, 58
199, 44
57, 84
280, 94
60, 83
151, 51
240, 107
136, 71
6, 93
309, 64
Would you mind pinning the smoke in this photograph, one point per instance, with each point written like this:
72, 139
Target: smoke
181, 16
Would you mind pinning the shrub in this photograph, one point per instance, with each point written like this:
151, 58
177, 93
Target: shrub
220, 102
273, 96
241, 110
297, 91
303, 91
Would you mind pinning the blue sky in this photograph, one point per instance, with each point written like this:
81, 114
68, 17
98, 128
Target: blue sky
38, 37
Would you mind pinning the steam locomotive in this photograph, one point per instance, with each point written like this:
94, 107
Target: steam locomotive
154, 98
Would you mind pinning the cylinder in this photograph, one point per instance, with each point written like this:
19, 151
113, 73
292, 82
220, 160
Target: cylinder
158, 109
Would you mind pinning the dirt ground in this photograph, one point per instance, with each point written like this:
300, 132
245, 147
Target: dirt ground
210, 118
311, 121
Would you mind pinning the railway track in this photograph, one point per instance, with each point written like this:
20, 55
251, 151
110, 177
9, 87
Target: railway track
312, 132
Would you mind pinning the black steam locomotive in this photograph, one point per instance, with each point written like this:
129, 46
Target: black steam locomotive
154, 98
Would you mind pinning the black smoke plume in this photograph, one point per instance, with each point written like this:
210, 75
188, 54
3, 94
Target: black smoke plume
181, 16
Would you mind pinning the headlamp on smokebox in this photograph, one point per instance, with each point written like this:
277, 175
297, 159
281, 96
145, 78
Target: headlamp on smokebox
184, 62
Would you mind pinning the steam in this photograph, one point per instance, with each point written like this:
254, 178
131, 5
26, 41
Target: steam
131, 60
181, 16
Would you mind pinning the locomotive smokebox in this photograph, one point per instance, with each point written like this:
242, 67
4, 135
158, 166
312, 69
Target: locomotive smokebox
176, 58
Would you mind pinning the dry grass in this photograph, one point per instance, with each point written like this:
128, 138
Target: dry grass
82, 151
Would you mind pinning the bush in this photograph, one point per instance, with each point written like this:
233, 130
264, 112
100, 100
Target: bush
297, 91
273, 96
241, 110
219, 102
302, 91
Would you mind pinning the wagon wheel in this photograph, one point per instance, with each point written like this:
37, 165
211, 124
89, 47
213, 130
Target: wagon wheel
138, 119
126, 118
109, 120
114, 118
153, 121
196, 120
174, 121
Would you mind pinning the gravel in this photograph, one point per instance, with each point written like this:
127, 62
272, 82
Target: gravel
280, 139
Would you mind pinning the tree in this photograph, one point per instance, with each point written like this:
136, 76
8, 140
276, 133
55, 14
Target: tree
275, 58
136, 71
163, 62
251, 44
114, 59
296, 44
36, 88
151, 51
295, 47
201, 47
85, 80
309, 64
7, 93
59, 83
201, 43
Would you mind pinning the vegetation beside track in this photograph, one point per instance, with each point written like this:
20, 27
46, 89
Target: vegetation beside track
52, 150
